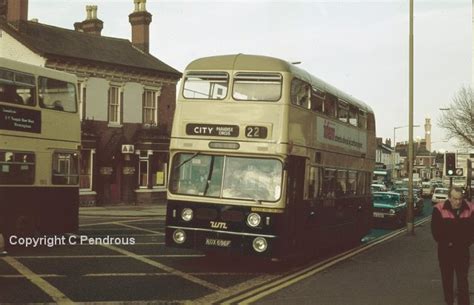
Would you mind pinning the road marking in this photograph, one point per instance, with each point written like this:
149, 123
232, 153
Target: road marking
164, 267
140, 229
130, 274
108, 256
214, 298
50, 290
292, 278
22, 276
113, 222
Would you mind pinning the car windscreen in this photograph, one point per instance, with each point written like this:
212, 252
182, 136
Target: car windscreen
390, 199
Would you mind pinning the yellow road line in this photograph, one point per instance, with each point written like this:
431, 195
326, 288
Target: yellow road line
49, 289
164, 267
138, 228
270, 288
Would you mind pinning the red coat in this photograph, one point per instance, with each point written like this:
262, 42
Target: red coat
449, 230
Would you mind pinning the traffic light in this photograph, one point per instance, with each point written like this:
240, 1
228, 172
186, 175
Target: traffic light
450, 161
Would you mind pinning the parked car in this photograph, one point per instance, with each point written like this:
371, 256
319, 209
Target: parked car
440, 194
427, 189
388, 208
418, 202
375, 187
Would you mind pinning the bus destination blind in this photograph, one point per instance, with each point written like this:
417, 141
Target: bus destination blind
212, 130
20, 119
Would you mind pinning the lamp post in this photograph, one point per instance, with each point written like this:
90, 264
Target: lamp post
410, 212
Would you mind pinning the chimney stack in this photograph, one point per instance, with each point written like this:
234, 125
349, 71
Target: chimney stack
140, 20
17, 12
91, 25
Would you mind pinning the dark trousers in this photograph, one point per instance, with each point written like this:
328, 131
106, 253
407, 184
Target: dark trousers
454, 260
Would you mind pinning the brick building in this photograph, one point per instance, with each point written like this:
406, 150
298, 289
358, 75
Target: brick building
127, 98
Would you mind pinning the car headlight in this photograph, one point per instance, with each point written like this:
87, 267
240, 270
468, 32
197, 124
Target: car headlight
392, 211
187, 214
253, 220
260, 244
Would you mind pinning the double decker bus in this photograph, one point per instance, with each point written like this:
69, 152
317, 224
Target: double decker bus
267, 160
39, 150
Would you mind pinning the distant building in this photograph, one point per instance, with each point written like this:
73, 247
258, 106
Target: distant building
127, 98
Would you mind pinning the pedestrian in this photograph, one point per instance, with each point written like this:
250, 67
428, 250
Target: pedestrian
452, 226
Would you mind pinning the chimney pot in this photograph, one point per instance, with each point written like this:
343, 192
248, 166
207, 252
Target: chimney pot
91, 25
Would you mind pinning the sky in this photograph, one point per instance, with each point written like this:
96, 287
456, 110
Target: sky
358, 46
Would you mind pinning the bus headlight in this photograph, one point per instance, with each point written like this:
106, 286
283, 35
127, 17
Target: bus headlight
392, 211
179, 236
260, 244
187, 214
253, 220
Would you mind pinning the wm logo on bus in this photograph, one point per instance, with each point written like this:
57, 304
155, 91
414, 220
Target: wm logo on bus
218, 225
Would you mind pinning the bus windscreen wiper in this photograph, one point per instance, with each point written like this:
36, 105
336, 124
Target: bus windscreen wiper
187, 160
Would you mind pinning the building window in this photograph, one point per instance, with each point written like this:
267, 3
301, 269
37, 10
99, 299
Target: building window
152, 169
150, 107
87, 165
115, 105
81, 87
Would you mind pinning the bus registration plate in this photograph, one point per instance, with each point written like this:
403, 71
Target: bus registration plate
378, 215
218, 242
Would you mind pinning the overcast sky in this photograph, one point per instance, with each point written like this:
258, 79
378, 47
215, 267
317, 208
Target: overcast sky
360, 47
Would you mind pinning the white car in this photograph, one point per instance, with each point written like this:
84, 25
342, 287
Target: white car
378, 187
440, 194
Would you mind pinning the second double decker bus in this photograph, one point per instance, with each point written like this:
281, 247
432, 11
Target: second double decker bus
40, 137
266, 159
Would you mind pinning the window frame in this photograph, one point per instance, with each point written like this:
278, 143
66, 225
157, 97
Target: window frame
118, 106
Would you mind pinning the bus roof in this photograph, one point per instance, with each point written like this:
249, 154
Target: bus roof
245, 62
39, 70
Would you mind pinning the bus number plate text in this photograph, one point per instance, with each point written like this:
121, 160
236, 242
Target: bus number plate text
256, 132
218, 242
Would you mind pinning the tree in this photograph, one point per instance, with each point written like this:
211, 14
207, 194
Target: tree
458, 120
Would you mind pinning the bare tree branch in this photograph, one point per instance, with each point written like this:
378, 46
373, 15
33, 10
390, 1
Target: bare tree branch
458, 121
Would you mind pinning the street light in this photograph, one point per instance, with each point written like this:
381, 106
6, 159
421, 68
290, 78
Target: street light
398, 127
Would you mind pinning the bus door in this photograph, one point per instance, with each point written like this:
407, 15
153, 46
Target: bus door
297, 207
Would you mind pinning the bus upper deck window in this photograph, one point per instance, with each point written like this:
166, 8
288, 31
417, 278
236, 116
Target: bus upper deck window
317, 100
17, 88
206, 85
257, 87
342, 111
353, 115
362, 122
330, 105
57, 95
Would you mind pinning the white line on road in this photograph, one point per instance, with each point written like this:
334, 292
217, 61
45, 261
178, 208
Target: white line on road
138, 228
49, 289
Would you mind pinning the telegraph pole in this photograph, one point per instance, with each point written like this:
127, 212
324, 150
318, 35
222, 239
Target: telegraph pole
410, 212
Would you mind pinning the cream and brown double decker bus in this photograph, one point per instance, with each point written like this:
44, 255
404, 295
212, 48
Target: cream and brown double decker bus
267, 160
39, 150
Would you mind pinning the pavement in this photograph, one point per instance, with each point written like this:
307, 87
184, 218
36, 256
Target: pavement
402, 270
